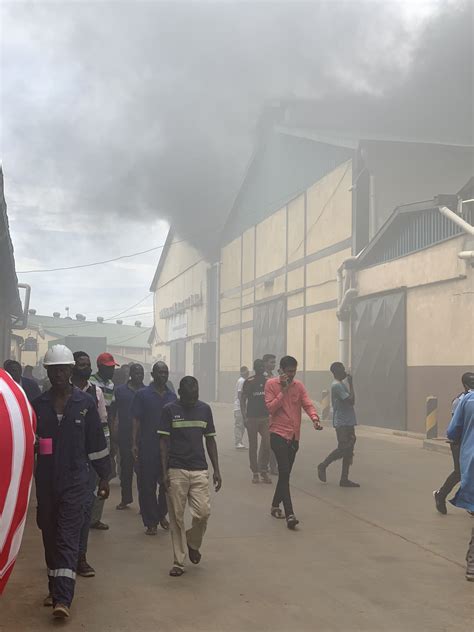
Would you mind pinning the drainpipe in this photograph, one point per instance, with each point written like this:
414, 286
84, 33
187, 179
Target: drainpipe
346, 294
454, 217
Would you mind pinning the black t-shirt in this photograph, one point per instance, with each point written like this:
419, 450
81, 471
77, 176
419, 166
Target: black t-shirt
186, 428
254, 391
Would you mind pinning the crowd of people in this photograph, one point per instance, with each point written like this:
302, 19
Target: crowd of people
89, 429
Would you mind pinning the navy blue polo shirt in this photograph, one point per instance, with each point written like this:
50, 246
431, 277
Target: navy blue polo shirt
124, 396
186, 427
147, 407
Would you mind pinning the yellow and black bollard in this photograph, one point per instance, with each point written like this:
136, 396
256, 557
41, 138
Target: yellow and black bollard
325, 405
431, 417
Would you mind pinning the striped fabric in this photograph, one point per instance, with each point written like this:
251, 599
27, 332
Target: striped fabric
17, 439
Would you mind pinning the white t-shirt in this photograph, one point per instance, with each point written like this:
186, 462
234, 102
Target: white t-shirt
238, 390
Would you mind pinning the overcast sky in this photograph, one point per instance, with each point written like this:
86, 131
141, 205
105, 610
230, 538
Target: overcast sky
119, 117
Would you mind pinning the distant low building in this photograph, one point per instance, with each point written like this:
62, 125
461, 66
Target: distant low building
127, 343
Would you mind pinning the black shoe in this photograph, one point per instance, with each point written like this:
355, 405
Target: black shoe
322, 473
440, 503
101, 526
348, 483
83, 568
291, 522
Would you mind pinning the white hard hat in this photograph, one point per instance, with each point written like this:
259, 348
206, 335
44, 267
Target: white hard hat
58, 354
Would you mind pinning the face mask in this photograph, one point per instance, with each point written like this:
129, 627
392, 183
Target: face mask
82, 373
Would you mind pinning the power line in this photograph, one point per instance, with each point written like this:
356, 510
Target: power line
95, 263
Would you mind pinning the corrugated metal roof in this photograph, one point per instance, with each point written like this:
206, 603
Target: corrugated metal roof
117, 335
282, 168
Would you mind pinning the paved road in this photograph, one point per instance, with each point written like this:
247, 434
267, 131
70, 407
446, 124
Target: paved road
377, 558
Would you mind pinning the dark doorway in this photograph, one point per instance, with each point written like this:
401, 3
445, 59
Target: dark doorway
379, 360
177, 361
269, 328
205, 369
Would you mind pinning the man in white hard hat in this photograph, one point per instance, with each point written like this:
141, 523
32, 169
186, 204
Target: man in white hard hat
71, 440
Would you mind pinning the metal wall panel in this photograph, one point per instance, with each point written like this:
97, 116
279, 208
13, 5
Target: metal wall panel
269, 328
379, 360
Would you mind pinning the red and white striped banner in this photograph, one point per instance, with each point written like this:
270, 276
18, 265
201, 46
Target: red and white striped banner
17, 439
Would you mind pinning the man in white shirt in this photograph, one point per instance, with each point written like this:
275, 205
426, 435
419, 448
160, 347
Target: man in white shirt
239, 427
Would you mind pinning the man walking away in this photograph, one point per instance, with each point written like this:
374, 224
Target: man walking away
461, 430
285, 397
255, 415
29, 385
147, 408
269, 360
122, 429
453, 479
344, 421
103, 379
239, 426
183, 425
70, 439
81, 373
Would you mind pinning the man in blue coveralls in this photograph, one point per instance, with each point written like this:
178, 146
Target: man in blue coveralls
461, 430
70, 441
147, 407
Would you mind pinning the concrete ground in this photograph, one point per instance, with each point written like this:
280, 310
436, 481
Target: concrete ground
375, 558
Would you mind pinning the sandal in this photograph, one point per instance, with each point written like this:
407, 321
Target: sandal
176, 571
194, 555
276, 512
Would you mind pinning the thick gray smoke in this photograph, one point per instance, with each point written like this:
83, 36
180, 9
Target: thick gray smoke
149, 109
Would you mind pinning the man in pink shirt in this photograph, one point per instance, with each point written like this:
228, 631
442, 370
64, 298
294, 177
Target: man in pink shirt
285, 397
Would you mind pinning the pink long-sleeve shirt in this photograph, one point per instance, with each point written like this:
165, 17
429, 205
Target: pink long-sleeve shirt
285, 408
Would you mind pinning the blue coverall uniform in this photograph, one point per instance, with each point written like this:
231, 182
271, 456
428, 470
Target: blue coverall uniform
62, 474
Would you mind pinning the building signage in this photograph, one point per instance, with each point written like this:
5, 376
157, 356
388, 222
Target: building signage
181, 307
177, 326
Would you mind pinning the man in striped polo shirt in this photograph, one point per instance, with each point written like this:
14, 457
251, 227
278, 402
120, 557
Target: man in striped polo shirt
103, 378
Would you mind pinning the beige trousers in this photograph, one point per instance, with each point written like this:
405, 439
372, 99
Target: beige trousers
193, 487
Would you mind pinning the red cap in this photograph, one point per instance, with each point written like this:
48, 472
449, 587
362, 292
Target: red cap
106, 359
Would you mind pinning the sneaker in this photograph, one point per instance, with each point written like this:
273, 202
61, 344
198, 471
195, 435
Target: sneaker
101, 526
255, 478
240, 446
151, 531
60, 611
48, 601
291, 522
440, 503
265, 478
83, 568
348, 483
322, 473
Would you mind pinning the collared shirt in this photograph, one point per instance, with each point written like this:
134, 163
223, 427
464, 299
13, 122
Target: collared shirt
285, 407
186, 427
100, 400
147, 407
107, 387
461, 430
124, 396
253, 391
69, 442
343, 410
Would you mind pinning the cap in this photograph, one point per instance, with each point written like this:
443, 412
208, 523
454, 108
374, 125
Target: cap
106, 359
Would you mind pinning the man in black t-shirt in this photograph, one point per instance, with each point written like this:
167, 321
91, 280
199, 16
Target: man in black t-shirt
181, 429
255, 415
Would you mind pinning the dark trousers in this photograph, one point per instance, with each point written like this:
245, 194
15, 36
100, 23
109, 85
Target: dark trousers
127, 465
346, 440
89, 503
455, 476
258, 426
285, 454
60, 519
153, 508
